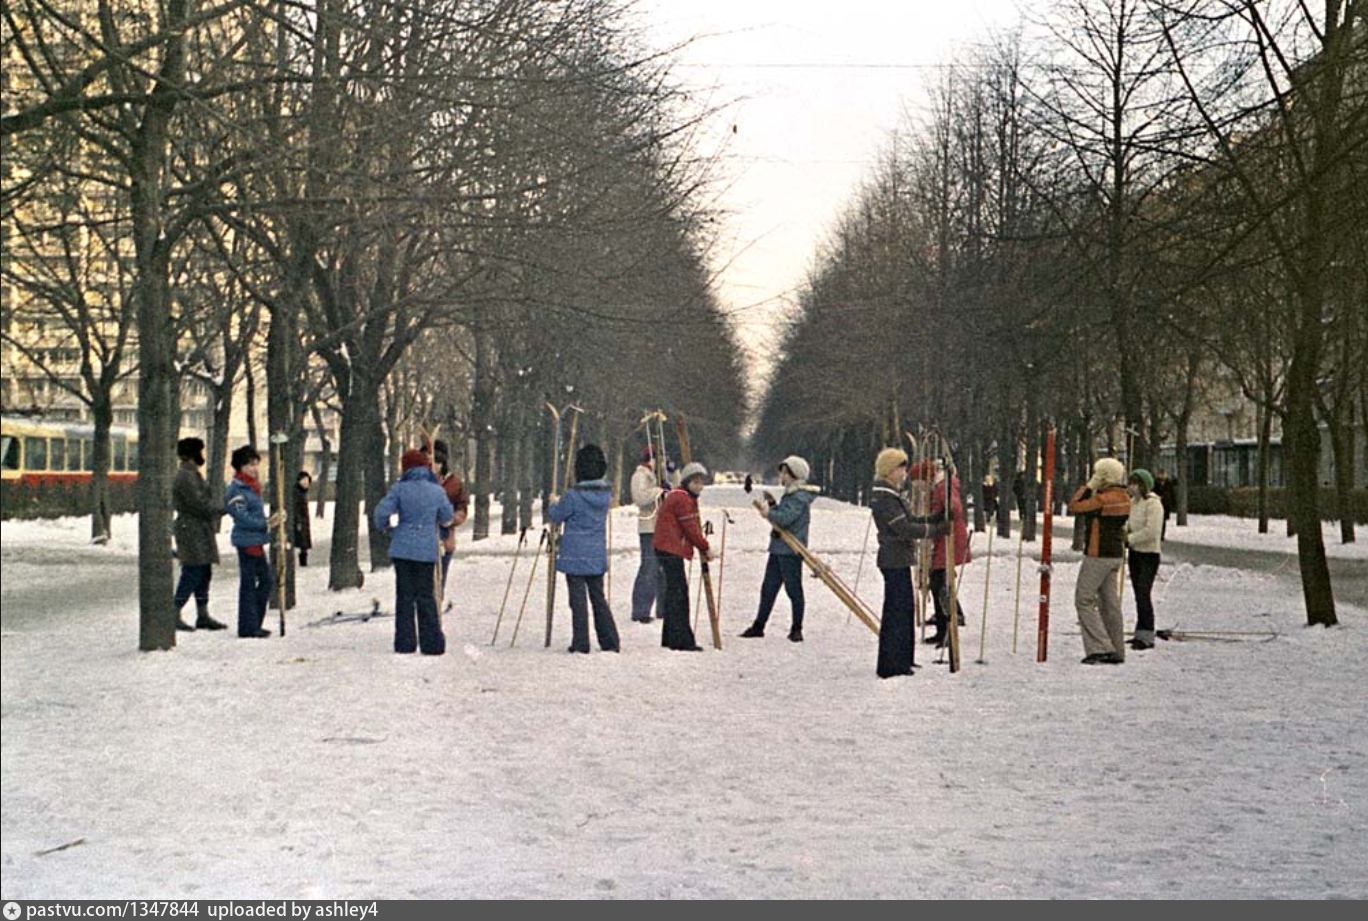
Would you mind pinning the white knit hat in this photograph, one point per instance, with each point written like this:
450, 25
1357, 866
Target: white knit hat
1108, 471
692, 470
797, 466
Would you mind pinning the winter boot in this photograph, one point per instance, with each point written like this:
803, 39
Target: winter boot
204, 622
181, 624
796, 635
753, 631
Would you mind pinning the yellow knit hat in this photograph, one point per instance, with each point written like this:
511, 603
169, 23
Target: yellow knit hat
889, 459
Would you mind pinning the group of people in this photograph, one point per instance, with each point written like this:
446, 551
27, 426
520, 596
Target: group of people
422, 510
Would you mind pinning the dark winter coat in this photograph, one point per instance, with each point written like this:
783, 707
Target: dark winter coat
583, 549
677, 530
793, 514
897, 528
245, 507
197, 517
299, 520
422, 507
1102, 516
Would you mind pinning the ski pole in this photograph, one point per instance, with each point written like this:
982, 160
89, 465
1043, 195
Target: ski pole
987, 577
722, 562
531, 577
279, 440
859, 570
1016, 616
517, 552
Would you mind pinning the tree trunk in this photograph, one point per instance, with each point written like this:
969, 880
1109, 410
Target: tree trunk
102, 413
1342, 445
282, 458
1007, 467
344, 563
482, 419
376, 481
510, 467
527, 476
324, 459
1265, 463
1181, 474
1028, 523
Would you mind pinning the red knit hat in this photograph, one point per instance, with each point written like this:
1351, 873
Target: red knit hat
414, 458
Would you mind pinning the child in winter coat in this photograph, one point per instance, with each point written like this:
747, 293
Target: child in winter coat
677, 534
582, 552
939, 583
251, 533
422, 507
1144, 531
793, 513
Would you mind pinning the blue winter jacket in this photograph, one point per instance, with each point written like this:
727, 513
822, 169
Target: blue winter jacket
583, 549
793, 514
422, 506
248, 513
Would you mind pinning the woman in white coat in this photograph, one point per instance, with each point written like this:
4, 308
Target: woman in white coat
1144, 531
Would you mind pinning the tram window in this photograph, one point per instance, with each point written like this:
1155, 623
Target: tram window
73, 449
120, 455
57, 453
88, 454
35, 454
10, 452
132, 455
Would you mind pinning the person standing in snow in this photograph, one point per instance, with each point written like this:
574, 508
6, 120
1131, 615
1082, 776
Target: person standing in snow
939, 583
460, 503
583, 551
793, 513
898, 530
677, 535
1144, 533
197, 519
423, 509
251, 533
647, 494
990, 497
299, 516
1103, 508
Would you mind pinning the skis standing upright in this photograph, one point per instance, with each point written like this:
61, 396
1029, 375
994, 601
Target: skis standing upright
686, 456
560, 482
951, 583
1043, 627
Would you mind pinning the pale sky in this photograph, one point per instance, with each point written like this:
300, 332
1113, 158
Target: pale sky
819, 87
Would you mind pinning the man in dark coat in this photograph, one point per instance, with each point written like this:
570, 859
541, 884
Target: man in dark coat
1167, 491
197, 519
299, 517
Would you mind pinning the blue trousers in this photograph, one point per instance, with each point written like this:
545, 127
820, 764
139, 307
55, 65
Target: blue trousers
788, 572
413, 596
194, 580
254, 591
650, 581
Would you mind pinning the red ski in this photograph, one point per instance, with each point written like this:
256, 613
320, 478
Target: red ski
1043, 629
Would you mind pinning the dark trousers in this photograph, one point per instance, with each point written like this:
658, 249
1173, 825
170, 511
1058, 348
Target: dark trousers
1144, 567
788, 572
446, 565
254, 591
194, 580
413, 596
303, 556
896, 641
585, 591
678, 633
649, 584
940, 595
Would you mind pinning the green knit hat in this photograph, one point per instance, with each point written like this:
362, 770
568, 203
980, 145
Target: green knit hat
1144, 477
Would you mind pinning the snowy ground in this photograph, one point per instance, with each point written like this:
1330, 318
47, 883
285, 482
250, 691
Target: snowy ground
323, 765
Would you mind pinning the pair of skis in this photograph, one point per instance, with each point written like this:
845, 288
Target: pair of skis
686, 456
560, 482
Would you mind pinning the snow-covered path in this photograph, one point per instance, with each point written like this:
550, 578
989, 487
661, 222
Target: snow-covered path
324, 765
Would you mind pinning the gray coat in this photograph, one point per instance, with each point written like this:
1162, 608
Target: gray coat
897, 528
197, 517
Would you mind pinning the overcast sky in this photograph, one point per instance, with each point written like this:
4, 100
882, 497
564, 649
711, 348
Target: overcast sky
819, 87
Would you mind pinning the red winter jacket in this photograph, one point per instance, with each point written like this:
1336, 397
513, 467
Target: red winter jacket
961, 527
677, 529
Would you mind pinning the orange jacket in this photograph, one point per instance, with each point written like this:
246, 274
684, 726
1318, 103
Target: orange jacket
1104, 516
676, 529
